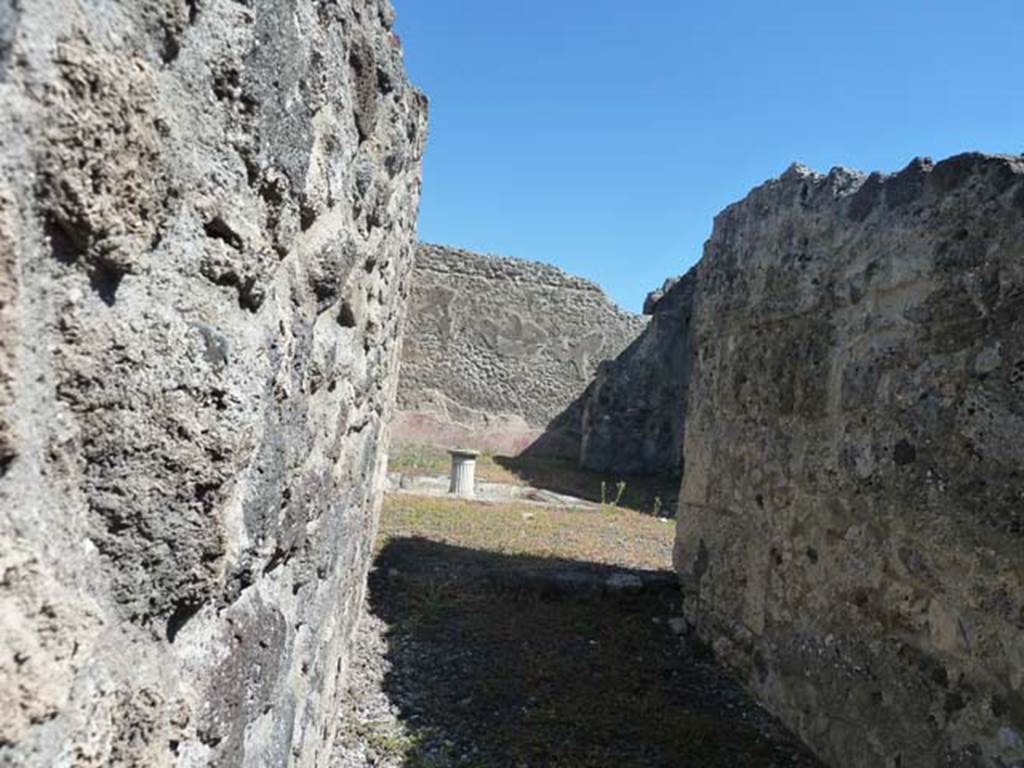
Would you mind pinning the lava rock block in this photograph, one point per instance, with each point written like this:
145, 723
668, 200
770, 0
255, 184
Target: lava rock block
851, 525
207, 226
498, 351
634, 411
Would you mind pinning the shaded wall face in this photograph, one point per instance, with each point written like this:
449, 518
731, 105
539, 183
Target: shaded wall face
497, 351
207, 216
850, 532
634, 411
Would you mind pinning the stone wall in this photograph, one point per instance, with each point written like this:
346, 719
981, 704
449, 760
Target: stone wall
634, 411
496, 349
207, 222
851, 532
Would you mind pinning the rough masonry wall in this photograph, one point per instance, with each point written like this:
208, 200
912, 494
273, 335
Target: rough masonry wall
207, 223
497, 348
851, 532
634, 412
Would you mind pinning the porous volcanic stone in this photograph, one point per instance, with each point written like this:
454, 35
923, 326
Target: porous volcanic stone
851, 527
207, 222
498, 351
634, 411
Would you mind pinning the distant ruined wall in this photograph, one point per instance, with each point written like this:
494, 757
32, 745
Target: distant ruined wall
207, 223
497, 348
634, 411
851, 531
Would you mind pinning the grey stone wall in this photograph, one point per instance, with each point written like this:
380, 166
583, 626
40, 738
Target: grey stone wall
496, 349
851, 532
207, 222
634, 412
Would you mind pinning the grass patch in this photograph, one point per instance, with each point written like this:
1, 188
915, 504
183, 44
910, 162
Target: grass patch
490, 676
614, 536
641, 493
428, 460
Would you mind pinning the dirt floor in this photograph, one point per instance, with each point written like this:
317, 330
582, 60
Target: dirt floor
512, 636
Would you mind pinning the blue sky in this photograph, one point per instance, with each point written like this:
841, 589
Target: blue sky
604, 136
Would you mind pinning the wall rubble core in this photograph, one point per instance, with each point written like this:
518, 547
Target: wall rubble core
852, 510
634, 411
207, 226
497, 352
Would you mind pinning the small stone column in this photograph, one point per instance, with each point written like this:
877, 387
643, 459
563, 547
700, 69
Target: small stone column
463, 472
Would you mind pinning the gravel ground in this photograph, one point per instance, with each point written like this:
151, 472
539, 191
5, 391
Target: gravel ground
374, 732
454, 683
371, 733
490, 640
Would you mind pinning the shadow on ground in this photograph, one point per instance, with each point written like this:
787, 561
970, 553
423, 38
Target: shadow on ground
651, 494
499, 661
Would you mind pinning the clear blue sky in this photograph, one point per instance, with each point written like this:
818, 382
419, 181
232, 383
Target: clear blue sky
603, 136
